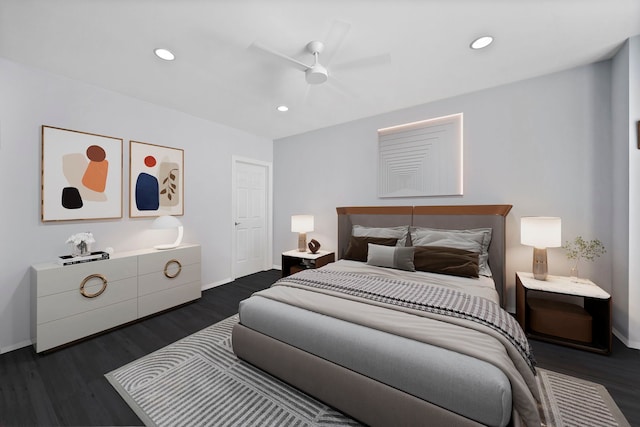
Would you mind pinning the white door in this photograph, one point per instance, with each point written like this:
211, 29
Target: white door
251, 216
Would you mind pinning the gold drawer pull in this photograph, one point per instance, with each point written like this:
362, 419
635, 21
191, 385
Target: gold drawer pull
93, 276
166, 267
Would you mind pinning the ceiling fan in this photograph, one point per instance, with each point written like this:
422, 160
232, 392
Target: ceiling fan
315, 73
318, 73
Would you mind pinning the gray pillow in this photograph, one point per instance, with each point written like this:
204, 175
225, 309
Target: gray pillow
397, 257
399, 232
474, 240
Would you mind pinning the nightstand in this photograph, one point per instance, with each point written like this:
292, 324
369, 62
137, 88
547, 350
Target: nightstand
586, 327
295, 261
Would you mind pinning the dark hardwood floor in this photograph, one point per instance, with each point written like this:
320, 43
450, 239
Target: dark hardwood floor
67, 386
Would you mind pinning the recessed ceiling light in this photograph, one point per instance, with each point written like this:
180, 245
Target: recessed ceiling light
283, 108
165, 54
481, 42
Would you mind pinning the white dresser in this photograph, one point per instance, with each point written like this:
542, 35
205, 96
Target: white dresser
75, 301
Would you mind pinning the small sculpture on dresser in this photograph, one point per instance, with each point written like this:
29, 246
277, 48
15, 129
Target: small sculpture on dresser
81, 243
314, 246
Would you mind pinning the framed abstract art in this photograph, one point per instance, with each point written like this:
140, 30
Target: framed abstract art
421, 159
156, 180
81, 175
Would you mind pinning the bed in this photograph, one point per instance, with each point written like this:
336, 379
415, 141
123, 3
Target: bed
391, 346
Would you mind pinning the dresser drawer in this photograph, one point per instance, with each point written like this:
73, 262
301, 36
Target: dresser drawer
159, 281
158, 301
157, 261
54, 279
68, 329
65, 304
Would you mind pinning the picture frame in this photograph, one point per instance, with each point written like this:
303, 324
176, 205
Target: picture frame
156, 180
421, 159
81, 175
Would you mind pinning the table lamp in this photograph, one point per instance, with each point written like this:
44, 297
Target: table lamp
168, 221
302, 224
541, 232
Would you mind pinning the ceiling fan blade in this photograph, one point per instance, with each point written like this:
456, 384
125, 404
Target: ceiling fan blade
333, 40
369, 61
340, 87
259, 47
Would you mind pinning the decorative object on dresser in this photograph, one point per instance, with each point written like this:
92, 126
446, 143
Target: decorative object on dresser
541, 232
168, 222
76, 301
314, 246
81, 175
585, 325
81, 243
156, 179
91, 256
294, 261
579, 249
302, 224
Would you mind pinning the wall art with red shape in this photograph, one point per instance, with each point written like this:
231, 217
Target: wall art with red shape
156, 179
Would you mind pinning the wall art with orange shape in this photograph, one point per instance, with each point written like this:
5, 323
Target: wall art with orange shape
81, 175
156, 180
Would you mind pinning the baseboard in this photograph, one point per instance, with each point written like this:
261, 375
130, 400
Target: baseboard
17, 346
218, 283
276, 267
625, 340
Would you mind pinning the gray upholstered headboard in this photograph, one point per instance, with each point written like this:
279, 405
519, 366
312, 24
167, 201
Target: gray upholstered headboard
450, 217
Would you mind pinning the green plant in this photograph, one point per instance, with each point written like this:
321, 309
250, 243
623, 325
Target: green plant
584, 249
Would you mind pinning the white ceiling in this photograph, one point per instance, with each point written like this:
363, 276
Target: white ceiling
219, 77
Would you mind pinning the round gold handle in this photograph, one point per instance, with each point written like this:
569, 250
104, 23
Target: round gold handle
86, 280
166, 267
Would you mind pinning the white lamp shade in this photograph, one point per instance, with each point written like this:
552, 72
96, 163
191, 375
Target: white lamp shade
541, 231
301, 223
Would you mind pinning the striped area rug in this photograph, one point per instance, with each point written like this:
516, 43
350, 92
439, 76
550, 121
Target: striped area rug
198, 381
570, 401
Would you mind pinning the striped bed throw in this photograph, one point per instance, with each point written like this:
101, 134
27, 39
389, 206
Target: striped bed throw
421, 296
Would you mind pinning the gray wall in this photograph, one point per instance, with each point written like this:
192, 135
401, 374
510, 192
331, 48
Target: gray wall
542, 145
625, 95
634, 193
620, 226
31, 98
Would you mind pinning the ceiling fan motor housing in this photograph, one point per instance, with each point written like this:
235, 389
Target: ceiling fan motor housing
316, 74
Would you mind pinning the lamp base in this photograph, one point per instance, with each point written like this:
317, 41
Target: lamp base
302, 242
167, 246
174, 244
540, 263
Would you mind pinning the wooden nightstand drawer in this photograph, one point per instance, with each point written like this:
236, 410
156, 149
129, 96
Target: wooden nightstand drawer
294, 261
560, 319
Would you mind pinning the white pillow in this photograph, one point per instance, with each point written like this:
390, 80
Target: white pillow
400, 258
399, 232
475, 240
